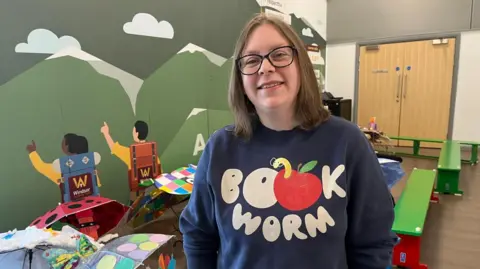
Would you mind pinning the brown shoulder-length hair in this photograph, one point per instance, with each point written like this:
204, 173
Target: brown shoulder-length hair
309, 110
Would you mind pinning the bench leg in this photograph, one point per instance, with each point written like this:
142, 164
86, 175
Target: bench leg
416, 147
447, 182
407, 252
474, 155
434, 197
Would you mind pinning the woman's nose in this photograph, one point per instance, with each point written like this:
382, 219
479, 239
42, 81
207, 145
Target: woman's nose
266, 67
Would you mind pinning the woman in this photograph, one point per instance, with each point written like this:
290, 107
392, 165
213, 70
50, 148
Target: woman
288, 185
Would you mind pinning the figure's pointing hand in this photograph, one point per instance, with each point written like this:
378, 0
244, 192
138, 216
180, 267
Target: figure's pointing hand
104, 129
32, 147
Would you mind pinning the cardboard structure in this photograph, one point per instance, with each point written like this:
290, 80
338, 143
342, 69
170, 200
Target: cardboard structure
166, 191
79, 177
144, 164
105, 214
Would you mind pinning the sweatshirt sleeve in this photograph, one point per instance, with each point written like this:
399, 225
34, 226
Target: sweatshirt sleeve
197, 221
370, 239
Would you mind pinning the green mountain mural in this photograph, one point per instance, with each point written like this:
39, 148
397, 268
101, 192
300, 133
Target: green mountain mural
218, 119
192, 79
184, 101
218, 93
219, 114
170, 93
188, 143
298, 24
55, 97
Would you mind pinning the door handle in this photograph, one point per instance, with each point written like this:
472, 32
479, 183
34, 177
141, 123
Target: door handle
405, 88
398, 87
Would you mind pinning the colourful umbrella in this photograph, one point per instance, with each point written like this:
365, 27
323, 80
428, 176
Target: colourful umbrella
107, 214
178, 182
127, 252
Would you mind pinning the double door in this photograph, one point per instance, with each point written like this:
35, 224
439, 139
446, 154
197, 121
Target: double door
407, 87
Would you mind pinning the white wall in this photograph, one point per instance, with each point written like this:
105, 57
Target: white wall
340, 81
340, 70
466, 121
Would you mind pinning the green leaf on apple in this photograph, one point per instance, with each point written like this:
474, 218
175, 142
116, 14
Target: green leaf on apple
308, 166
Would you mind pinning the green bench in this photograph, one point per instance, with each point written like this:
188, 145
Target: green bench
448, 168
410, 215
473, 151
416, 142
416, 148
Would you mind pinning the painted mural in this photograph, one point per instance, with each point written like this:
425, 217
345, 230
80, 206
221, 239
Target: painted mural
308, 18
77, 69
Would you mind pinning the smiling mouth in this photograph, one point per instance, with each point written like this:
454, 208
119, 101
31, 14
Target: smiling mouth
269, 85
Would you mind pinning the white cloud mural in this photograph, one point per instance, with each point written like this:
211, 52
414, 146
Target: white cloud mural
307, 32
145, 24
44, 41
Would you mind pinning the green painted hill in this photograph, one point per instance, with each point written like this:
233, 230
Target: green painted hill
168, 96
218, 119
218, 92
219, 113
187, 145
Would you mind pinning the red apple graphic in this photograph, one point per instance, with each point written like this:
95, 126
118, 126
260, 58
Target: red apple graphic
297, 190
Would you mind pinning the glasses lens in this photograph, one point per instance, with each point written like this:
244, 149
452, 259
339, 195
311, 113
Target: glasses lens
250, 64
281, 57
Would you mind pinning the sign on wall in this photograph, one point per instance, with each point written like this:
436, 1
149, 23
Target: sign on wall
315, 55
276, 4
317, 61
285, 17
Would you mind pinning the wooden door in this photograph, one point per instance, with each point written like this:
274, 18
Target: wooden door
379, 86
426, 91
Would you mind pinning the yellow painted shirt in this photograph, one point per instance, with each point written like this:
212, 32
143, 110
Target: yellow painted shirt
123, 153
44, 168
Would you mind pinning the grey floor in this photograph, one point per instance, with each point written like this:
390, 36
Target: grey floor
451, 238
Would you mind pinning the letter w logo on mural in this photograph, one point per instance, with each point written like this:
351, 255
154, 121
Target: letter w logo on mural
145, 173
79, 182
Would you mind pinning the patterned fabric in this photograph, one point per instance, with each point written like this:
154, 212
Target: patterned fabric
179, 182
393, 172
64, 259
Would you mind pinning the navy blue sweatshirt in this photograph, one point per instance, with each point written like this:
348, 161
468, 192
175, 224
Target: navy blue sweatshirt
289, 200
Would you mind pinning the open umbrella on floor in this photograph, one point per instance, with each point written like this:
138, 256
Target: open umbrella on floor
24, 258
126, 252
161, 194
23, 249
107, 214
178, 182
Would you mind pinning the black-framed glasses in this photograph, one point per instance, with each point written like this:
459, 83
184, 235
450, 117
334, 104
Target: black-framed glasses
279, 57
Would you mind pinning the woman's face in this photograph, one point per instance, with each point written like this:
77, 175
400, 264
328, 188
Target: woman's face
271, 88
